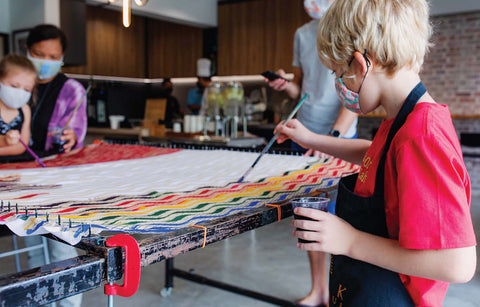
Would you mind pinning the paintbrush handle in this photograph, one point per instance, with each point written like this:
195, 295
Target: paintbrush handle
274, 138
77, 106
32, 153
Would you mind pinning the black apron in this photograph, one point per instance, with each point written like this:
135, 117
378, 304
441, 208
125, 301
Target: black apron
42, 111
357, 283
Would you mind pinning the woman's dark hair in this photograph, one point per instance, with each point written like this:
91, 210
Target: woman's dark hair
44, 32
166, 80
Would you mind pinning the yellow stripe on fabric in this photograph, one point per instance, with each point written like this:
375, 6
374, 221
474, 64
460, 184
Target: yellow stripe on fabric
32, 222
276, 184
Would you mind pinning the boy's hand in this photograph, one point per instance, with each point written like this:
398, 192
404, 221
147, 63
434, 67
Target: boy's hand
316, 154
332, 234
12, 137
295, 131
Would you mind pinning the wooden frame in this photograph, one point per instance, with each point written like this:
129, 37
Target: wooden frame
4, 45
19, 41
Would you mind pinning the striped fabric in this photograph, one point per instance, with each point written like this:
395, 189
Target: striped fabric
156, 194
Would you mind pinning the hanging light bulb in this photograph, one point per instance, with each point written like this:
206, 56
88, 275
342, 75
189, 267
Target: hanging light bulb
127, 13
127, 10
141, 2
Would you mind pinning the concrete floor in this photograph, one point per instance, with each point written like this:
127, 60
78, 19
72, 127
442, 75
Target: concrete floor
264, 260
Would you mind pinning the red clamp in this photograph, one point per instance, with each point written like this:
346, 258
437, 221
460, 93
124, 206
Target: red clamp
131, 277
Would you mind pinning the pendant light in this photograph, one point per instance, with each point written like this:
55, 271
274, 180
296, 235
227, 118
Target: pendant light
127, 13
127, 10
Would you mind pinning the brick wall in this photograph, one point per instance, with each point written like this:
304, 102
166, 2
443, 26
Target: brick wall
451, 71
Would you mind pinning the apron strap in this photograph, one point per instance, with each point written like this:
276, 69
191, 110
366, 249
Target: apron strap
400, 119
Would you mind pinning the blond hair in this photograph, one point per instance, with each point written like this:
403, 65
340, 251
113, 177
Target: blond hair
395, 33
14, 60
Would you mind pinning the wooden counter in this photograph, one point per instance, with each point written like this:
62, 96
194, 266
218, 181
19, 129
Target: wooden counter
100, 133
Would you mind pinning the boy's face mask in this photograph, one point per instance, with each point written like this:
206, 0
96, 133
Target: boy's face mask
12, 97
46, 69
348, 97
316, 8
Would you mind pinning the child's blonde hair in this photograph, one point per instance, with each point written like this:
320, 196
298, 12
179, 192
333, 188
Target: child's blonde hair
395, 33
15, 60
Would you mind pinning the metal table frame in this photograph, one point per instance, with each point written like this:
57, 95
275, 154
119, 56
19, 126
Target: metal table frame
102, 264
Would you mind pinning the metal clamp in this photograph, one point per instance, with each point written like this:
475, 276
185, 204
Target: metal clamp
132, 266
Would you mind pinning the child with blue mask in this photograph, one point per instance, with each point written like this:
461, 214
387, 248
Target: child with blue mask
17, 81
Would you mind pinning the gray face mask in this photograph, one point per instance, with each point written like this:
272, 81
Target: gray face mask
12, 97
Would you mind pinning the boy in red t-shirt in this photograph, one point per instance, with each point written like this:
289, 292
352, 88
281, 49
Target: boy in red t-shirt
402, 230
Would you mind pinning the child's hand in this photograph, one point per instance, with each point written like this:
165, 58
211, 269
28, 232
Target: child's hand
12, 137
332, 234
293, 130
316, 154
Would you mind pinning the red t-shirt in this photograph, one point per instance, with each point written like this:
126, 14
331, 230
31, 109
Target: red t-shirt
427, 190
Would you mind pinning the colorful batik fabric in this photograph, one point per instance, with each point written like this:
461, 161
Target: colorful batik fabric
156, 194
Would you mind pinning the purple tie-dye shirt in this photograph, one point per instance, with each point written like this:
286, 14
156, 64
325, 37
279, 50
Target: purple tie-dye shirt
70, 94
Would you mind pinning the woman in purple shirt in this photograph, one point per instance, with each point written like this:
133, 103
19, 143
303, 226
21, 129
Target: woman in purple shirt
57, 95
54, 104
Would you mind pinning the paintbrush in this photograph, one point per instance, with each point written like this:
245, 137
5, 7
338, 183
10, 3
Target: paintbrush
32, 153
77, 106
274, 138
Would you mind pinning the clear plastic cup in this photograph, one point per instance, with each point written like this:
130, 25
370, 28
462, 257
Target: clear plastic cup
319, 203
55, 134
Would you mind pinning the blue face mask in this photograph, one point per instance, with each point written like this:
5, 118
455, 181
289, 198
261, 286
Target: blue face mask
46, 69
348, 97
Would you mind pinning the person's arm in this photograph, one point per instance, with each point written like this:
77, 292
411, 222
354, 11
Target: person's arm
73, 93
10, 146
194, 107
335, 236
3, 140
13, 146
343, 123
351, 150
192, 103
293, 87
178, 109
344, 120
27, 116
434, 237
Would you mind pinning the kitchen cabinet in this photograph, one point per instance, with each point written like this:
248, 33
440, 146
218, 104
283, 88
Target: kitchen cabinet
257, 35
171, 50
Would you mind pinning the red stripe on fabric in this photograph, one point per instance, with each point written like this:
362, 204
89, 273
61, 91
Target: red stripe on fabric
96, 153
29, 196
6, 216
